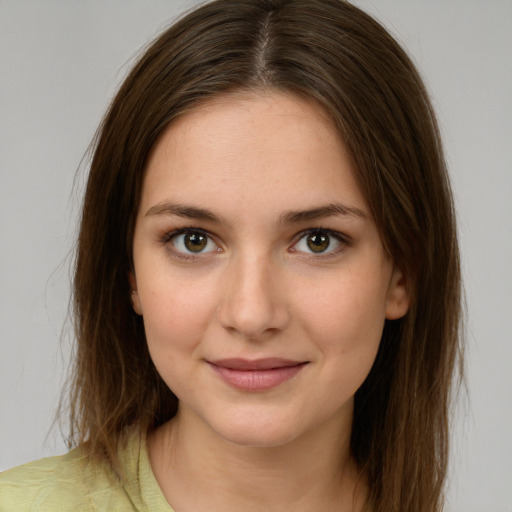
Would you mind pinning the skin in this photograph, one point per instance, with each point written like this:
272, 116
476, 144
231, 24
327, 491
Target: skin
240, 168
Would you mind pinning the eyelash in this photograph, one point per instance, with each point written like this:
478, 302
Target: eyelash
343, 241
167, 239
340, 238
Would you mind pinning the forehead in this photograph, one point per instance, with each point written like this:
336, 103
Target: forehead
249, 149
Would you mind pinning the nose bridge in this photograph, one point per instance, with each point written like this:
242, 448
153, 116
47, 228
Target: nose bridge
252, 303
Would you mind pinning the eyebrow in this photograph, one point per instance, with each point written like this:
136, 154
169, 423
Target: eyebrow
329, 210
288, 217
188, 212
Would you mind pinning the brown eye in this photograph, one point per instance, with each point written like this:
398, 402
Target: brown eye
318, 242
192, 241
195, 242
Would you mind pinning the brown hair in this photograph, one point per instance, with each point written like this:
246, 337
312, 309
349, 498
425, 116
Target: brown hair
329, 51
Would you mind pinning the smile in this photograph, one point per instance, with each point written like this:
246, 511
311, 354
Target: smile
257, 375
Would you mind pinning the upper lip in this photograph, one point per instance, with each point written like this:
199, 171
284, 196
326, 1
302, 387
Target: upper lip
267, 363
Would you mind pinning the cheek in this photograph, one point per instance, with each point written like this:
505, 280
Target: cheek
174, 324
346, 311
346, 322
175, 313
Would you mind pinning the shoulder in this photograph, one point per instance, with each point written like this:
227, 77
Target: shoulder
67, 482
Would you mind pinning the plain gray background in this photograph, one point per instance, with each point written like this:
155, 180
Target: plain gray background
60, 63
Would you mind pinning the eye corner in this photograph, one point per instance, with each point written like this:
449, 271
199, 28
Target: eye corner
329, 242
190, 243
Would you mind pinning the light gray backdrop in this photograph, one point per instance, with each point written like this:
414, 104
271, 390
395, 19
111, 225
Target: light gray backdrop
60, 63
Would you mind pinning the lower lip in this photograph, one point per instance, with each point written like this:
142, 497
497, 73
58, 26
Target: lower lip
257, 380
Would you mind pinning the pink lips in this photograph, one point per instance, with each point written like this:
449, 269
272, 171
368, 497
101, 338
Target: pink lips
257, 375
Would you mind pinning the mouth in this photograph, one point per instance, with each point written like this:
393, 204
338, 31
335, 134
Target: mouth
256, 375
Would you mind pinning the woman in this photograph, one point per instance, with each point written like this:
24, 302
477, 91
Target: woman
267, 286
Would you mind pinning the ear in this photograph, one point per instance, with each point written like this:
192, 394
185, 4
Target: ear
399, 297
134, 296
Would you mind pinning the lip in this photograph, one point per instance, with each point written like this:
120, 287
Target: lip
258, 374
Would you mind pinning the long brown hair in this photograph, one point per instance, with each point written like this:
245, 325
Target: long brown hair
329, 51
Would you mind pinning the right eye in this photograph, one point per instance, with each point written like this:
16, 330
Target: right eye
192, 241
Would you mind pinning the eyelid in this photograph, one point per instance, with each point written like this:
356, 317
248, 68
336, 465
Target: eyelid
344, 241
188, 229
170, 235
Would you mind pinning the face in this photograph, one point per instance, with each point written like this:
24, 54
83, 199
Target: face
259, 273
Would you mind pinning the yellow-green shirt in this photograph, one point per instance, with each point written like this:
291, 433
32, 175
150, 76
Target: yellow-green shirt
71, 483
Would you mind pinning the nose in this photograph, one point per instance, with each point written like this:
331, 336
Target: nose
253, 303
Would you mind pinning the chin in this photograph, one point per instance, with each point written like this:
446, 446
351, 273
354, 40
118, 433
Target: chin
257, 438
257, 432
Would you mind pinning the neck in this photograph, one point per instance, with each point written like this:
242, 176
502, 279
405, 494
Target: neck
197, 470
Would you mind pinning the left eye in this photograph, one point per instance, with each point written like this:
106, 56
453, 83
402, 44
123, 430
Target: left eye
318, 242
193, 241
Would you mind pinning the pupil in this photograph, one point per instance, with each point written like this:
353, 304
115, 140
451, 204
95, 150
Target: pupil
318, 243
195, 242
